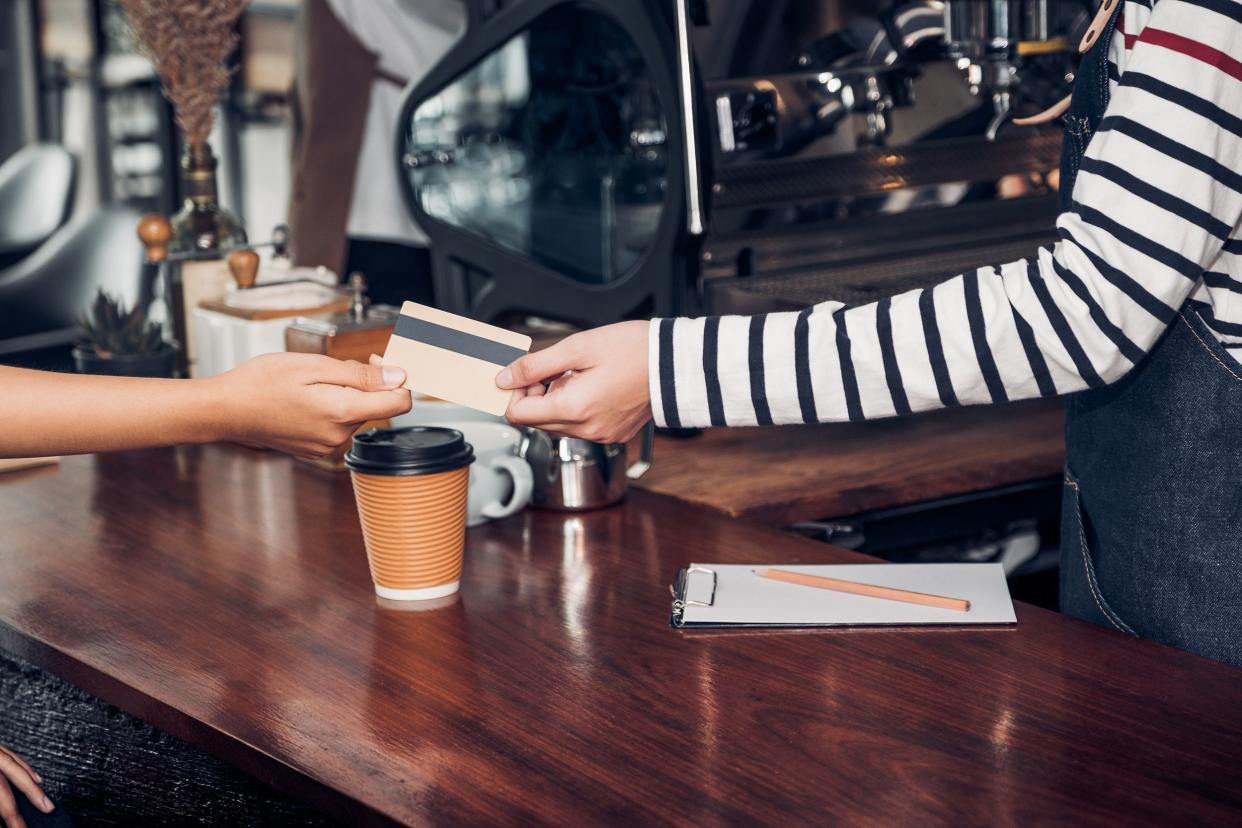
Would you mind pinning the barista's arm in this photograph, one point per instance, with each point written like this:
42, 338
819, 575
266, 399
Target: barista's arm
1158, 195
301, 403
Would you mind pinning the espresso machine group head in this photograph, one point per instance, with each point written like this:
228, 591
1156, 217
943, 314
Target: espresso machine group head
992, 39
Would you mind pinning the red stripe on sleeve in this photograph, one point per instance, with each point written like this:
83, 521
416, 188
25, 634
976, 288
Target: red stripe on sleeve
1193, 48
1126, 38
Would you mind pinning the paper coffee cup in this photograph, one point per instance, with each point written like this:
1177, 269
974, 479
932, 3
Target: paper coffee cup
411, 486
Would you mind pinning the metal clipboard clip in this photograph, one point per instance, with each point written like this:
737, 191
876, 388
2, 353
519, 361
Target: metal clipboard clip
681, 591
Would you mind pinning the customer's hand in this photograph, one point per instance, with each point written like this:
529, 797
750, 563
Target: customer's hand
598, 385
15, 773
305, 404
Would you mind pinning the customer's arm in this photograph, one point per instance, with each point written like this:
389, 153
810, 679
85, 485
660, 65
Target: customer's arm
300, 403
1158, 196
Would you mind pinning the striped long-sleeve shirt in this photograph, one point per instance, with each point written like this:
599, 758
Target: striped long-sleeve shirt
1155, 220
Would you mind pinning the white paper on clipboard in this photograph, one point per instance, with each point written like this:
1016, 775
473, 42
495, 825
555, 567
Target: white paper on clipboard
732, 595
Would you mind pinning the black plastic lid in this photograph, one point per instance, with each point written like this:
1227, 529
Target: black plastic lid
408, 451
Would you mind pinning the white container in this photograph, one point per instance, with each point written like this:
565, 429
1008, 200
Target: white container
222, 341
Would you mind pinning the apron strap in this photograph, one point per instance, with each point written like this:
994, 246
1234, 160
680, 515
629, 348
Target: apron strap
1097, 25
1088, 40
1050, 114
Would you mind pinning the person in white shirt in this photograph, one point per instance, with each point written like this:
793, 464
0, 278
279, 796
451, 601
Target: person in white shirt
355, 59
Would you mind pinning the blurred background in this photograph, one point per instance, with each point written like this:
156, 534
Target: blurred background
74, 75
532, 162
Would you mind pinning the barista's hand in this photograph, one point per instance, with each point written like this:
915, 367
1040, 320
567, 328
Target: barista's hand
15, 773
305, 404
598, 387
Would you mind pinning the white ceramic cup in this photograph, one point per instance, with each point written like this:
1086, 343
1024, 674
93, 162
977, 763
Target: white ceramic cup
500, 481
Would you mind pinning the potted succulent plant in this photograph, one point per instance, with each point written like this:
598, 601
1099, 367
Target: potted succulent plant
122, 342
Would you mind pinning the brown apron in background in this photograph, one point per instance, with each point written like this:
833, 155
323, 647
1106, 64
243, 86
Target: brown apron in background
329, 101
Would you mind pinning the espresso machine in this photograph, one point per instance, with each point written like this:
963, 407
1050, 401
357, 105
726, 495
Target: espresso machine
598, 160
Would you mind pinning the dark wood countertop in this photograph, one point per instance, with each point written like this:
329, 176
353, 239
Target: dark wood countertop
222, 594
778, 476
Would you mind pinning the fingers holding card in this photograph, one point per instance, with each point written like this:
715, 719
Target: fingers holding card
452, 357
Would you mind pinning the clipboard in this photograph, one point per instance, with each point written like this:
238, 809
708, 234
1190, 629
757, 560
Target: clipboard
732, 595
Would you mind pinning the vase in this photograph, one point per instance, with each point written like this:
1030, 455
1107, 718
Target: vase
159, 363
203, 232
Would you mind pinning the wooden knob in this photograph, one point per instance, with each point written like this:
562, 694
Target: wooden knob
154, 230
244, 265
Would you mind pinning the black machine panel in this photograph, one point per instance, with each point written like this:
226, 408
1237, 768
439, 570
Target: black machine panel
542, 157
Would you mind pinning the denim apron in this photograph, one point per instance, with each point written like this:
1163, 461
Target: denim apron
1151, 533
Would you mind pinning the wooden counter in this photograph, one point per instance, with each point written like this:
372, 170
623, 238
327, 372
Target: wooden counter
222, 595
778, 476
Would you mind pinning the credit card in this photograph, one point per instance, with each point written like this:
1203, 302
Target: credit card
453, 358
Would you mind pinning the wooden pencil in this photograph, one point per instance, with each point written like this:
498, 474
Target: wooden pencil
870, 590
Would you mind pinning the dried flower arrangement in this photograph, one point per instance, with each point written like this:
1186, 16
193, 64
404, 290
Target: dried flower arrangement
189, 42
